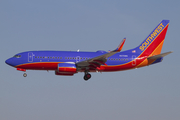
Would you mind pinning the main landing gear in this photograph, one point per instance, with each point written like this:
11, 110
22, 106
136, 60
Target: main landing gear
87, 76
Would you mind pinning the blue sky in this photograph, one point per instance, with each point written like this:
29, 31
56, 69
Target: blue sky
147, 93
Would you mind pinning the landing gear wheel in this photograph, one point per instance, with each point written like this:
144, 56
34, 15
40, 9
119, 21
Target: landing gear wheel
87, 76
25, 75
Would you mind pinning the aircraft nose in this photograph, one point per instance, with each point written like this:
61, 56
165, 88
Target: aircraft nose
9, 62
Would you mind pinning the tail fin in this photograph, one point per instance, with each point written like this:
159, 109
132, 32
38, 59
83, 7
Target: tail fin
152, 45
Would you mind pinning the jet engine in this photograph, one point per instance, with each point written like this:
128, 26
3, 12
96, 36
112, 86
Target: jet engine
67, 69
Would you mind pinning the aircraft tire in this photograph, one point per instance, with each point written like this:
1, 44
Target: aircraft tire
87, 76
25, 75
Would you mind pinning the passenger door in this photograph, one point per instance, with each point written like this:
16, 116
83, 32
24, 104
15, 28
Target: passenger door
30, 57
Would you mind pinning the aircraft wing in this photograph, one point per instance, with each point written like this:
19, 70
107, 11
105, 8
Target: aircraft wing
96, 62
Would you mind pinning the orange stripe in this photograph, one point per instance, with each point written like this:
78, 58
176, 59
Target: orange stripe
155, 52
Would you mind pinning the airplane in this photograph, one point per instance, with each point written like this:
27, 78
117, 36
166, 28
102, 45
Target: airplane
68, 63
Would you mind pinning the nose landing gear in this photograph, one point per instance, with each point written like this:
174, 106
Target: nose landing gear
25, 75
24, 70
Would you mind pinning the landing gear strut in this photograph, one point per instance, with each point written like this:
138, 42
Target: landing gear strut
87, 76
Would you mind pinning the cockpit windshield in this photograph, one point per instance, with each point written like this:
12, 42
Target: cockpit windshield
17, 56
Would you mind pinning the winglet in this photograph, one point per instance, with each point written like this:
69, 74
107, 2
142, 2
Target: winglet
119, 48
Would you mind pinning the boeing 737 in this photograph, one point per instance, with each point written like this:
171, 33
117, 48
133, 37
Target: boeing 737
69, 63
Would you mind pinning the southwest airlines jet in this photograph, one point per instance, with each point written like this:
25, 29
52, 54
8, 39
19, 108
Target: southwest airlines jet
69, 63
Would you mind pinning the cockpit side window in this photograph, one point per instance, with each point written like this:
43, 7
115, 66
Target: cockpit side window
17, 56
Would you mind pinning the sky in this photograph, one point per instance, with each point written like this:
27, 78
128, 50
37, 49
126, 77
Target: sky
148, 93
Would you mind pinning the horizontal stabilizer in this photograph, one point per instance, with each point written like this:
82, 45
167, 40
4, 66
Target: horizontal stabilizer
159, 56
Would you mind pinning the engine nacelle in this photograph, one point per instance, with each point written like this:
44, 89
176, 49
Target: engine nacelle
66, 74
68, 69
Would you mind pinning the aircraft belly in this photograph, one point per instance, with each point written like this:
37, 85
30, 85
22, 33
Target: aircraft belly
39, 66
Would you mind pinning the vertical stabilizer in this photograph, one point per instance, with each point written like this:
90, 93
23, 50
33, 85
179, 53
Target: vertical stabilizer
152, 45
